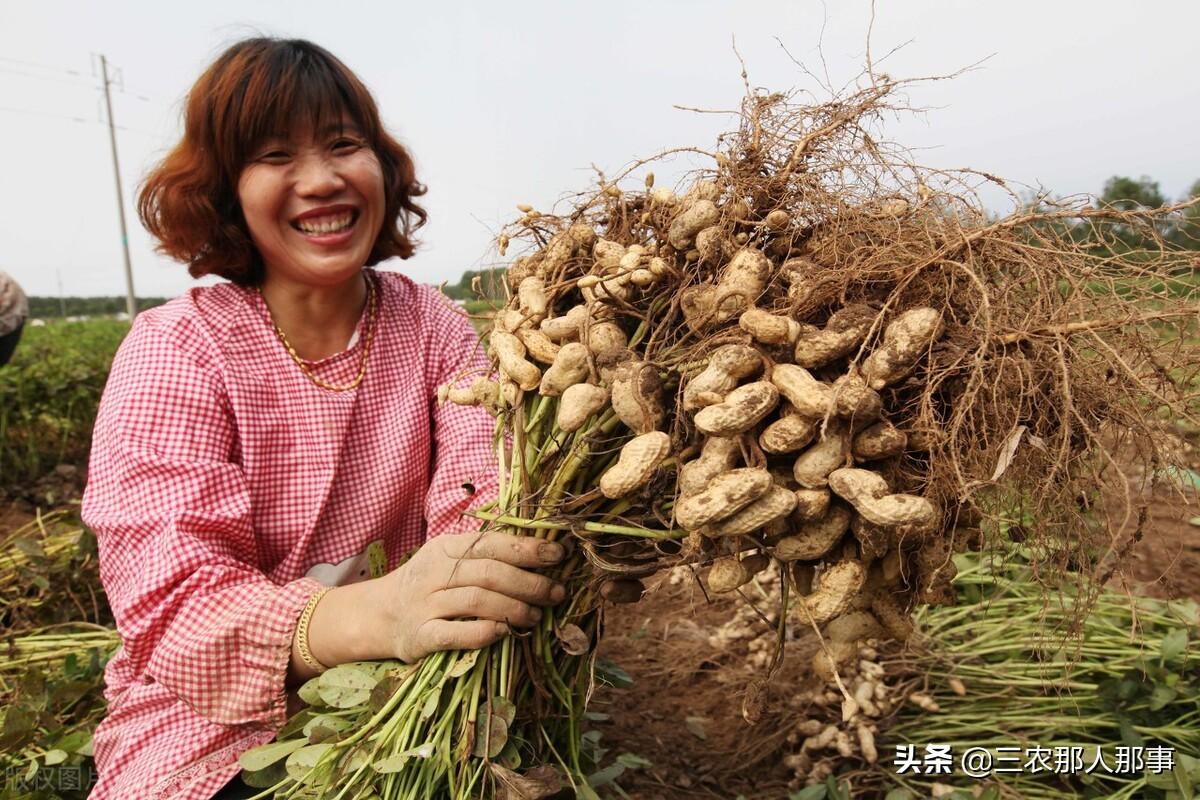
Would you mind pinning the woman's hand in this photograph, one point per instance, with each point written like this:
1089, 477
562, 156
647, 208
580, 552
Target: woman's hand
464, 591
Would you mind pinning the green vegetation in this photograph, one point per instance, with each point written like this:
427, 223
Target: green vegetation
52, 307
1037, 675
49, 393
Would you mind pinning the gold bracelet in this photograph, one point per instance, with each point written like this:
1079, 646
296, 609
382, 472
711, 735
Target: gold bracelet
302, 632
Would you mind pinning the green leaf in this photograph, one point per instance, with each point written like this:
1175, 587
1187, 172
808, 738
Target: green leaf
345, 686
55, 756
510, 756
463, 665
294, 727
431, 704
606, 776
263, 756
1190, 765
396, 762
1129, 734
634, 761
504, 708
388, 684
76, 742
584, 791
309, 694
816, 792
491, 734
265, 778
837, 791
608, 672
1174, 644
1161, 696
300, 763
900, 794
323, 726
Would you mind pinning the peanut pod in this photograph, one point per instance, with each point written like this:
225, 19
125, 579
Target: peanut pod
718, 454
727, 574
727, 365
569, 368
508, 350
725, 495
769, 328
775, 504
904, 341
881, 440
637, 462
579, 402
637, 396
812, 467
813, 540
839, 584
842, 334
871, 497
740, 411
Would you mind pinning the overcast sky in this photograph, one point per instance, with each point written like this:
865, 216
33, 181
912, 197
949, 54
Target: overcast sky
503, 103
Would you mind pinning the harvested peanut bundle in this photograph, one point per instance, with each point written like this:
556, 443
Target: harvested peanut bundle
800, 363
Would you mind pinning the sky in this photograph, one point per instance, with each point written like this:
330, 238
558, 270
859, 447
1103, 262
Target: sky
507, 103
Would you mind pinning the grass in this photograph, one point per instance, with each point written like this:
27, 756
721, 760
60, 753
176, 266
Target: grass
49, 393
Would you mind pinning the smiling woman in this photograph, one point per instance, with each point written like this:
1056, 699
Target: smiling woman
262, 438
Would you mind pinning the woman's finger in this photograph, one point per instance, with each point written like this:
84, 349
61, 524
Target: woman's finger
507, 580
520, 551
443, 634
475, 601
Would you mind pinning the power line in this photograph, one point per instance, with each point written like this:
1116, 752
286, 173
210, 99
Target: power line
46, 114
78, 79
37, 65
124, 128
80, 82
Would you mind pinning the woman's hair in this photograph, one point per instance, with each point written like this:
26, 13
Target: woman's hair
257, 89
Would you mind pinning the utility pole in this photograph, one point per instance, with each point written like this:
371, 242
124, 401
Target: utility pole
62, 301
130, 299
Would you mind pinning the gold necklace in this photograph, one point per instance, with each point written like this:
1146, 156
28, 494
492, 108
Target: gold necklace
362, 360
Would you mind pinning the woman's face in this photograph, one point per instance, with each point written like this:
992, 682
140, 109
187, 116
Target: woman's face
314, 204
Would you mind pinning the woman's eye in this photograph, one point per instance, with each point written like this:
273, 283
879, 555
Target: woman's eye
274, 156
346, 145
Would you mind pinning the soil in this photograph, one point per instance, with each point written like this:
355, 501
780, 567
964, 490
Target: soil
695, 662
684, 711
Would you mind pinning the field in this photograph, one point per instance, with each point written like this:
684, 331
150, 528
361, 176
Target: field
671, 720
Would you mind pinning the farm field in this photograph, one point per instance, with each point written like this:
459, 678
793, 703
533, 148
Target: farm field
677, 727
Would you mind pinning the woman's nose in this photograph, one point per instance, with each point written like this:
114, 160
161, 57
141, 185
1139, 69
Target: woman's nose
317, 175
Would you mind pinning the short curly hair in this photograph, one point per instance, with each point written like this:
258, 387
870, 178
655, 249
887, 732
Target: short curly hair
254, 90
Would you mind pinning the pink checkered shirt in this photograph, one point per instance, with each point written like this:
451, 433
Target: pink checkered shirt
225, 488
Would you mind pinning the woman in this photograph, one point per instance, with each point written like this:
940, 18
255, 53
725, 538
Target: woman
262, 440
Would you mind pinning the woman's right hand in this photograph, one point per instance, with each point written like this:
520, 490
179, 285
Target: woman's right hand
458, 591
464, 591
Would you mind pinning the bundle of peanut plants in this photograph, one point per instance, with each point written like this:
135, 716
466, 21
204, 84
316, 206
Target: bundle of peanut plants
812, 357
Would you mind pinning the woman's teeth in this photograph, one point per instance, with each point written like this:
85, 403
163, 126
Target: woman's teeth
332, 224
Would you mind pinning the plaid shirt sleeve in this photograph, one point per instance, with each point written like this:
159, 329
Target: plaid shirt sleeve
171, 510
465, 463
